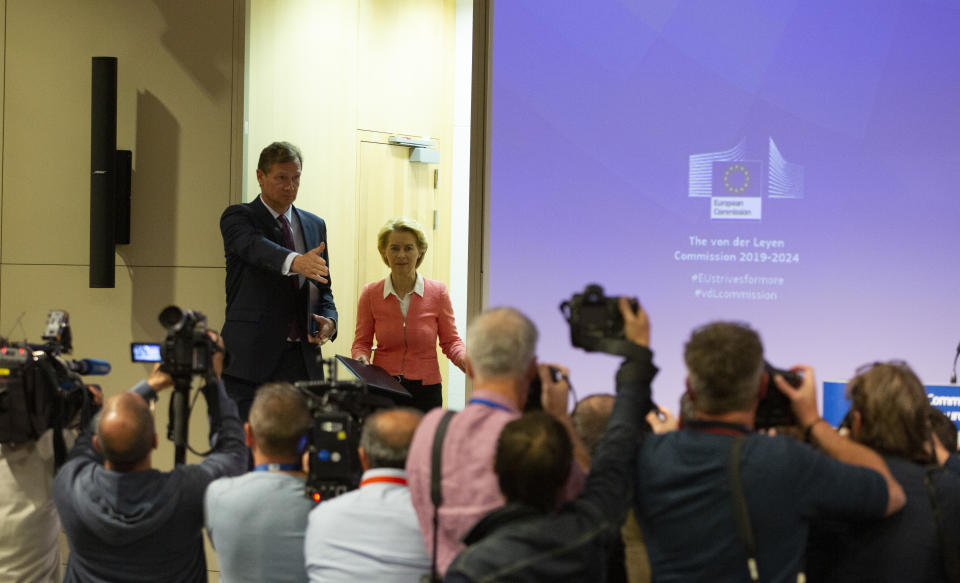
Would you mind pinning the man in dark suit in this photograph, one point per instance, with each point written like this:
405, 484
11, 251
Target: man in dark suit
279, 302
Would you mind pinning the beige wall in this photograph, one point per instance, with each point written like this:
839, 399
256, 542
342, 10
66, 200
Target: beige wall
319, 73
322, 73
179, 111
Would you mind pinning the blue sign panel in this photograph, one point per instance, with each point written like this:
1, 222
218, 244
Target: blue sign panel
943, 397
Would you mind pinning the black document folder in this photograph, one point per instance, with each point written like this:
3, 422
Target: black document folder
378, 380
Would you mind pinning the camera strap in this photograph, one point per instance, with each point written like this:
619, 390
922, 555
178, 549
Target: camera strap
211, 393
740, 510
436, 478
56, 421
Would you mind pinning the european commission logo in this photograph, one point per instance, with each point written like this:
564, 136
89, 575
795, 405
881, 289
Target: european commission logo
737, 186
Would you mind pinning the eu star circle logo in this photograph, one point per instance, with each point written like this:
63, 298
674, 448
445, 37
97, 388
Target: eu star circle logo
736, 178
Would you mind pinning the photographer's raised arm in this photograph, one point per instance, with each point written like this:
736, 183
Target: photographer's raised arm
158, 380
803, 400
609, 484
228, 452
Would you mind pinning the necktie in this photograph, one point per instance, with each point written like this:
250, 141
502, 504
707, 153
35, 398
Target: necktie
287, 233
296, 327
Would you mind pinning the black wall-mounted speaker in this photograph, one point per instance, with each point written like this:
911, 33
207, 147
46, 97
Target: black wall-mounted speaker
103, 171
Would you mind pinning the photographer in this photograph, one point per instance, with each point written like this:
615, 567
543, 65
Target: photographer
341, 546
501, 360
126, 521
718, 502
256, 521
890, 413
529, 539
29, 530
41, 403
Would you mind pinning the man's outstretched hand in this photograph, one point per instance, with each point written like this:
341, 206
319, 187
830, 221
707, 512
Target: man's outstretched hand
311, 264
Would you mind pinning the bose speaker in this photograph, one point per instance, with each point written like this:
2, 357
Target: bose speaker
110, 173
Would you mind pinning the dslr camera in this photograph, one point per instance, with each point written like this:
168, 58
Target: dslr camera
596, 324
774, 409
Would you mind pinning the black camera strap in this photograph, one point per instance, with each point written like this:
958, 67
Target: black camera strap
56, 421
211, 393
740, 510
436, 489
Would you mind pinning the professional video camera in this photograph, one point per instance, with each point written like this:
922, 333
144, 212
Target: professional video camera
41, 390
596, 324
187, 349
186, 352
339, 409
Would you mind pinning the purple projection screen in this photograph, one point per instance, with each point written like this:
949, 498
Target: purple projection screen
794, 165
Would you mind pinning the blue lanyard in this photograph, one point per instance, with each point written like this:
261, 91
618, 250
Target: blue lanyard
278, 468
491, 404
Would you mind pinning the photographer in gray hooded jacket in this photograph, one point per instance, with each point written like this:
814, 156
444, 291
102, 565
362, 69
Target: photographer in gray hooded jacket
126, 521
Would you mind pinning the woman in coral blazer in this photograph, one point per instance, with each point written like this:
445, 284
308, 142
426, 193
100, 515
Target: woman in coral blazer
407, 314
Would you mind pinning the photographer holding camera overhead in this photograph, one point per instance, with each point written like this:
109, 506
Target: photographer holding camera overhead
408, 314
126, 521
534, 537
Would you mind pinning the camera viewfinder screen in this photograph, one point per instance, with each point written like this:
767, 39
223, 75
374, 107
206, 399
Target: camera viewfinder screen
142, 352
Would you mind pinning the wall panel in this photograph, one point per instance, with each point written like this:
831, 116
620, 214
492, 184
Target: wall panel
175, 83
179, 100
105, 321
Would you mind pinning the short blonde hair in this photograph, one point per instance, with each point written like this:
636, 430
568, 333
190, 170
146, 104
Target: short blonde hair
402, 224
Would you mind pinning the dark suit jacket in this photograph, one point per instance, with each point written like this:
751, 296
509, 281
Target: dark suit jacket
260, 302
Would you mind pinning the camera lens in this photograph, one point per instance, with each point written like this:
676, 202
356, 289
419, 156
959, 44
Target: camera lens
171, 317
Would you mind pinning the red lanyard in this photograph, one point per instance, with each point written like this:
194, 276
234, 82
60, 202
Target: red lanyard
384, 479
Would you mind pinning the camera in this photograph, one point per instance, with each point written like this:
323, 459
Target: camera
187, 349
535, 392
41, 390
596, 324
774, 409
339, 409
